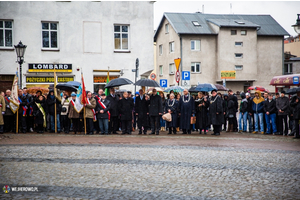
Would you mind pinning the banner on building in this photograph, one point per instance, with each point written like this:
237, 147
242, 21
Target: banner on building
64, 79
44, 67
228, 74
103, 79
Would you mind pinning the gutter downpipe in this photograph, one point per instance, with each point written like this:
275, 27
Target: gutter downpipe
180, 56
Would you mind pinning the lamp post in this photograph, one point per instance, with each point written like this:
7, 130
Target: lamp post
20, 50
297, 25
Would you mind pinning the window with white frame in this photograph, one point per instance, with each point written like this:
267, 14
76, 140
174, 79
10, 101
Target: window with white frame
195, 67
171, 68
167, 28
171, 47
238, 44
288, 68
161, 70
243, 32
6, 33
233, 32
238, 55
195, 45
121, 35
239, 67
49, 35
160, 49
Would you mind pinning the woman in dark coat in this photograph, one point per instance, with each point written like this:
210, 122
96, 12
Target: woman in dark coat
39, 113
125, 110
171, 106
201, 105
230, 112
216, 112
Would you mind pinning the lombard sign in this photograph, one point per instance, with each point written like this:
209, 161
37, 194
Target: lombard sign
42, 67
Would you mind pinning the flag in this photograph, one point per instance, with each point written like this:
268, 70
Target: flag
14, 98
83, 99
58, 97
107, 81
78, 105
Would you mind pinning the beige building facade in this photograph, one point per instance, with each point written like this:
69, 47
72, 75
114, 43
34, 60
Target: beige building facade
208, 44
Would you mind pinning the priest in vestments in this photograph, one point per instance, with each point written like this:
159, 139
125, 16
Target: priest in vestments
186, 110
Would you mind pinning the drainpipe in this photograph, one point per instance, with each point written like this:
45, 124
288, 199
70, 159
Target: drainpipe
282, 56
180, 57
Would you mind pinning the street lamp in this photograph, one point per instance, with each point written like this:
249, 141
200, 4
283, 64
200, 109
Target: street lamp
297, 25
20, 50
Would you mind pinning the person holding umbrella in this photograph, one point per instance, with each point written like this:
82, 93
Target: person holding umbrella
186, 111
216, 112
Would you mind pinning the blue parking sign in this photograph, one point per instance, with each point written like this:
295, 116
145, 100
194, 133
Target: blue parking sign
186, 75
163, 82
295, 80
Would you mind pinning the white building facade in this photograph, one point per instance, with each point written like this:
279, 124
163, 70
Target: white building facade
77, 37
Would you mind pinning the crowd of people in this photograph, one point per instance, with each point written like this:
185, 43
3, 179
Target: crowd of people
110, 114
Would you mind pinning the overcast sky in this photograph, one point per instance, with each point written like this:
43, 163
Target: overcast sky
284, 12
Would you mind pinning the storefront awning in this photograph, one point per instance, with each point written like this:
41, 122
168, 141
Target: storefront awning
284, 80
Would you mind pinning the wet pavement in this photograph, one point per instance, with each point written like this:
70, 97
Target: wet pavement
231, 166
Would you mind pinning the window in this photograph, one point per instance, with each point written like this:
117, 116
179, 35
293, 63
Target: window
171, 68
167, 28
121, 37
160, 49
6, 39
50, 35
160, 70
196, 23
239, 22
171, 47
238, 55
239, 67
288, 68
233, 32
195, 67
238, 44
195, 45
243, 32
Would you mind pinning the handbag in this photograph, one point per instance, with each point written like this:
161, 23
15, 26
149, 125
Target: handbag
193, 120
167, 117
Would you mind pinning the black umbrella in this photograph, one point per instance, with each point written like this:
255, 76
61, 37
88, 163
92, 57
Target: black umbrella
64, 86
293, 90
147, 82
74, 83
118, 82
192, 89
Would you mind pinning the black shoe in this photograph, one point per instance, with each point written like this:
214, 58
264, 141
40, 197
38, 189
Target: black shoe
291, 134
296, 137
151, 133
169, 133
200, 132
157, 133
217, 134
183, 133
213, 134
145, 133
140, 133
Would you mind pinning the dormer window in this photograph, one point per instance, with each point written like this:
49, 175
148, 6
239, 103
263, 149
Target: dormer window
239, 22
196, 23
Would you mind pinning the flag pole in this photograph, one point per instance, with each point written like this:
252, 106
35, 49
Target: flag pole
55, 122
17, 113
84, 118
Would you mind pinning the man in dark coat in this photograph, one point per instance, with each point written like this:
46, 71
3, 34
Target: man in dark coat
114, 112
282, 105
225, 105
103, 107
250, 112
29, 113
270, 114
155, 110
201, 105
9, 116
39, 113
125, 109
296, 114
186, 110
141, 111
216, 112
51, 102
235, 123
22, 112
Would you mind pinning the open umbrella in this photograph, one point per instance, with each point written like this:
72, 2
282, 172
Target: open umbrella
259, 88
205, 87
147, 82
192, 89
118, 82
74, 83
175, 89
293, 90
64, 86
221, 87
157, 89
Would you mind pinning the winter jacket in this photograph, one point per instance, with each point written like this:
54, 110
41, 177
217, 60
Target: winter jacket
8, 111
89, 108
65, 104
296, 110
249, 106
99, 108
231, 106
113, 105
2, 109
283, 103
244, 105
50, 105
72, 112
125, 108
155, 105
270, 106
258, 104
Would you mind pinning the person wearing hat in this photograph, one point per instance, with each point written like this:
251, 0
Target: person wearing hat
258, 110
243, 113
250, 112
65, 101
73, 115
51, 102
216, 112
283, 107
103, 114
270, 114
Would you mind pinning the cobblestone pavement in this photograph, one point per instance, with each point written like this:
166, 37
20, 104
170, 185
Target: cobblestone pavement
64, 168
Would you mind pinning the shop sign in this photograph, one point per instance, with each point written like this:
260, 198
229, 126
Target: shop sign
103, 79
64, 79
228, 74
43, 67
